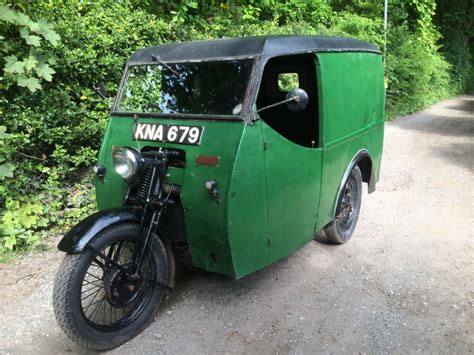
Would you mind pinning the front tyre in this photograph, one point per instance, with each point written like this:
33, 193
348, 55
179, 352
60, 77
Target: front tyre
96, 303
341, 228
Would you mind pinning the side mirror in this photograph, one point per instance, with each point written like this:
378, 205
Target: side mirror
101, 90
297, 100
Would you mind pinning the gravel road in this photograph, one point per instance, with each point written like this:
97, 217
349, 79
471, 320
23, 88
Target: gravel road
404, 283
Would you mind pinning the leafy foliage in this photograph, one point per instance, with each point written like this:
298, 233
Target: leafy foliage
55, 132
6, 169
34, 37
51, 120
455, 22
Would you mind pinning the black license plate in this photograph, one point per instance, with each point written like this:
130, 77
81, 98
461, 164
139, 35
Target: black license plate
168, 133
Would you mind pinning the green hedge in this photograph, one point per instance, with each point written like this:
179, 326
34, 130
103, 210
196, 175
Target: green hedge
53, 134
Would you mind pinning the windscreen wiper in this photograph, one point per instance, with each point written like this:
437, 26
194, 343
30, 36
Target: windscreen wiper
155, 58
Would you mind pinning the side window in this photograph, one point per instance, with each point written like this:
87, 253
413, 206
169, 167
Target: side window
282, 74
288, 81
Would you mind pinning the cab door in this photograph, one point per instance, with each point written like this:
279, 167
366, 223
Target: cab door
292, 152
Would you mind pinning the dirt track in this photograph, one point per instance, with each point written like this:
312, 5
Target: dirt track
404, 283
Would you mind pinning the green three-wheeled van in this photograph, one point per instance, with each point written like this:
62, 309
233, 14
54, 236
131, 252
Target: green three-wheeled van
223, 155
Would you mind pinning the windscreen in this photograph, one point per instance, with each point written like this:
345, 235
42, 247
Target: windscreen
202, 88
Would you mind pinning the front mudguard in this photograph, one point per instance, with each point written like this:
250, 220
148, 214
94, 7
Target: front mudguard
77, 238
82, 233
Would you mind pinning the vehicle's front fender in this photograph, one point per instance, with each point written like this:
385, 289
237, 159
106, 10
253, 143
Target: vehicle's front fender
77, 238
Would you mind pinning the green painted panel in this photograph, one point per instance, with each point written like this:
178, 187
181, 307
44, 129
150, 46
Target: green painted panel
206, 222
175, 176
352, 108
293, 187
248, 204
336, 161
352, 94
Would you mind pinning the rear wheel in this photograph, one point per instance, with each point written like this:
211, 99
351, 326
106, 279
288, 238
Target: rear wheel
97, 303
340, 230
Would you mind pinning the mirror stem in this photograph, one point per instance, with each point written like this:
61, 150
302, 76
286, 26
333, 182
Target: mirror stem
294, 98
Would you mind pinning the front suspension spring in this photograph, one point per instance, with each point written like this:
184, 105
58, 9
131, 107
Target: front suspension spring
145, 183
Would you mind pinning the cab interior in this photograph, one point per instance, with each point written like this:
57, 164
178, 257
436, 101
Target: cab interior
281, 74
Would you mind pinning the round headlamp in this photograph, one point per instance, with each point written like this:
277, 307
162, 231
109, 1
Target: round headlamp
126, 161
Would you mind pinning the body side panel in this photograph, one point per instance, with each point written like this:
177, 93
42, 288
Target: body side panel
293, 190
352, 96
247, 211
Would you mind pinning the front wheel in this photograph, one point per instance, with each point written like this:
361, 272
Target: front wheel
96, 302
341, 228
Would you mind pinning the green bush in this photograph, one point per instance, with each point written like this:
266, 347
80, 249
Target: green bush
418, 74
55, 133
455, 21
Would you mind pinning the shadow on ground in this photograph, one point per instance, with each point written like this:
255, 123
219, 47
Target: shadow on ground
457, 153
453, 120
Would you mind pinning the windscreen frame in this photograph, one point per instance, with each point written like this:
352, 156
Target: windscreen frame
239, 117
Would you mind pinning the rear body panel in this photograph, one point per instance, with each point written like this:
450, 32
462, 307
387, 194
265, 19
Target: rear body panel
352, 95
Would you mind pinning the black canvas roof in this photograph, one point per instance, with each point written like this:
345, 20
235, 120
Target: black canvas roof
267, 46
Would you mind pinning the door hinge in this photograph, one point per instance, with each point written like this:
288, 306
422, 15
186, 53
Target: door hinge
265, 145
269, 241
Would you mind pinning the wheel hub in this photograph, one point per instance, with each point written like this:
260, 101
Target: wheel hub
347, 208
122, 289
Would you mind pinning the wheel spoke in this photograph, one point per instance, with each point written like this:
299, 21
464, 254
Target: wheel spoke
110, 251
97, 308
94, 276
105, 311
90, 294
87, 293
99, 263
94, 283
93, 299
92, 303
118, 266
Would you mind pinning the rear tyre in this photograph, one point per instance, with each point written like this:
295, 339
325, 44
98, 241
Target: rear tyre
97, 304
340, 230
